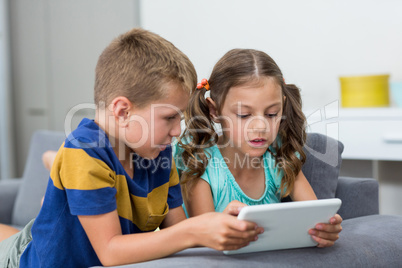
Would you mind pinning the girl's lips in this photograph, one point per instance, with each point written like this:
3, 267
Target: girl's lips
258, 142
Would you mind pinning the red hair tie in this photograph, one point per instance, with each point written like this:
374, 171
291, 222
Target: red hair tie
204, 84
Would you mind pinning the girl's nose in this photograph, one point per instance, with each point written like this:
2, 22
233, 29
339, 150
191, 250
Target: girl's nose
258, 123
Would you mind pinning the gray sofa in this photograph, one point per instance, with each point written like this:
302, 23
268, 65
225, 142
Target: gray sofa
367, 239
20, 197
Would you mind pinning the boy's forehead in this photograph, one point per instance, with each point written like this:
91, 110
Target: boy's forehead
176, 99
166, 107
176, 96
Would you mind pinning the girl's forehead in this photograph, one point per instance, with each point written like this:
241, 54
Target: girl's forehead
267, 90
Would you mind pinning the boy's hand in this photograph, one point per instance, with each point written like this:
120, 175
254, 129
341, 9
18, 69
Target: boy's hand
325, 234
224, 232
234, 207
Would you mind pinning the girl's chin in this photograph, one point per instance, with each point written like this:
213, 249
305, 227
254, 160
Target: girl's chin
256, 152
251, 153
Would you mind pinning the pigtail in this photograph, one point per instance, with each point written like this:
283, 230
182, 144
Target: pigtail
199, 134
293, 137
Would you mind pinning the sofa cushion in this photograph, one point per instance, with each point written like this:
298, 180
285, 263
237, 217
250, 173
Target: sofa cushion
35, 177
359, 197
322, 164
370, 241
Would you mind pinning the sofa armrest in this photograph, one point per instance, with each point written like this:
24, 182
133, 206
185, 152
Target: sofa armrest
359, 197
8, 193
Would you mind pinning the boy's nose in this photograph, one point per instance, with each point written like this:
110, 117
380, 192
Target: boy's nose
176, 130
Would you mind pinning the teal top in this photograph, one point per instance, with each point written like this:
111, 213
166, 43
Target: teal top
224, 187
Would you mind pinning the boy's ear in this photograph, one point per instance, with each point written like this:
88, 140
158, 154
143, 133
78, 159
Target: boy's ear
213, 112
121, 107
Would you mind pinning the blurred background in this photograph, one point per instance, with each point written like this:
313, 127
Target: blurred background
49, 49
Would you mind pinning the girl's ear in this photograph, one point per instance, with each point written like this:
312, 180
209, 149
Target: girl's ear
213, 112
120, 108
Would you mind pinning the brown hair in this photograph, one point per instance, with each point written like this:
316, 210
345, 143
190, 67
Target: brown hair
236, 68
137, 64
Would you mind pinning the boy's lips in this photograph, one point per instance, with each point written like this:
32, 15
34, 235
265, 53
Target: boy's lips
162, 147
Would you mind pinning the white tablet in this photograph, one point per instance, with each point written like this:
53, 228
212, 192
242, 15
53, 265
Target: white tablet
286, 224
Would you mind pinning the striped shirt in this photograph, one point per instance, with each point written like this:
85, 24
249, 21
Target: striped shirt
87, 178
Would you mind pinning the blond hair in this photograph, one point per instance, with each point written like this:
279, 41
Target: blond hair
137, 65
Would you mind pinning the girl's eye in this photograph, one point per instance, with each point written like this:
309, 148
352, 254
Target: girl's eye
243, 115
171, 117
272, 115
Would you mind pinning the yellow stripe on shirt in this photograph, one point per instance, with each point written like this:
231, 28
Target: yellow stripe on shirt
75, 169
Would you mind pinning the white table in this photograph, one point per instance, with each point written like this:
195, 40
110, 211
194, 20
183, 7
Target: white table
373, 146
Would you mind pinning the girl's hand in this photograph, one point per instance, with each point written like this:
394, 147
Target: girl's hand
325, 234
223, 232
234, 207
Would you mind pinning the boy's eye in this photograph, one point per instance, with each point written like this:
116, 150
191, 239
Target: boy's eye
243, 115
171, 117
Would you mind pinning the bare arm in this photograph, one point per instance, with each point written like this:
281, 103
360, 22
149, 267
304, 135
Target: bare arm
200, 200
302, 189
173, 217
215, 230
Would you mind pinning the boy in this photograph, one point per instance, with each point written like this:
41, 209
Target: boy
113, 181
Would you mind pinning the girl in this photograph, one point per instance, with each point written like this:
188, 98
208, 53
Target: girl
258, 158
113, 181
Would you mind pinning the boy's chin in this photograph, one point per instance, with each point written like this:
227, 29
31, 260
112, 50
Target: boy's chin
150, 155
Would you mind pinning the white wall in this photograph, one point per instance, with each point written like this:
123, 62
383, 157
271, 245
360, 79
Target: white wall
313, 41
7, 165
55, 46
